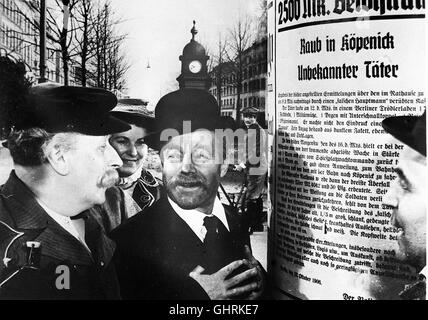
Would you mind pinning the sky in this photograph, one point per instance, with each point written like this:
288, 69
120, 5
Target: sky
158, 30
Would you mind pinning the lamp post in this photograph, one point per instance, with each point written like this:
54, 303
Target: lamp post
63, 39
42, 43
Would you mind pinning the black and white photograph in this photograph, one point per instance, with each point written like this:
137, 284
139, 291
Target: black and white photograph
199, 150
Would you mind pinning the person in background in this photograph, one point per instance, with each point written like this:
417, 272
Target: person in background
255, 166
138, 188
408, 195
51, 245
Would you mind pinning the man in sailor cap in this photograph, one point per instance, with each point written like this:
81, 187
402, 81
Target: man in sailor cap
51, 247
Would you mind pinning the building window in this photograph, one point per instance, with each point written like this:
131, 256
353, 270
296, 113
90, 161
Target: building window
2, 35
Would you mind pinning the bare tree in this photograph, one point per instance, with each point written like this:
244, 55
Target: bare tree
61, 31
84, 38
56, 33
89, 40
240, 39
261, 20
220, 69
109, 61
118, 66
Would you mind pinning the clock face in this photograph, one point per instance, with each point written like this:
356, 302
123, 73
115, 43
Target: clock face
195, 66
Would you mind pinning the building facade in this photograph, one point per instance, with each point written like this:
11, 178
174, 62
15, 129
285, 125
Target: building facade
224, 81
19, 39
224, 88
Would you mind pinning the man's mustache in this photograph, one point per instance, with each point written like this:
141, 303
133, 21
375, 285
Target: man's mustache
191, 180
109, 179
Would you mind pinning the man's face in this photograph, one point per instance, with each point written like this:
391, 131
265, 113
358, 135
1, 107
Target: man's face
249, 119
407, 196
131, 148
92, 168
190, 173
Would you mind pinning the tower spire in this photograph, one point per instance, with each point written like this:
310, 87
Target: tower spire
193, 31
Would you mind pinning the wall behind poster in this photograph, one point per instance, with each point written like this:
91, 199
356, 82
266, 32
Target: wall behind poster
340, 68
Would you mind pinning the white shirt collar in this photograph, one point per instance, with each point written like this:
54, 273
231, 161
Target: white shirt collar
424, 271
127, 181
64, 221
195, 218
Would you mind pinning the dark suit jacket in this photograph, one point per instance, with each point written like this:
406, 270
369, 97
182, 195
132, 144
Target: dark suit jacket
91, 276
156, 251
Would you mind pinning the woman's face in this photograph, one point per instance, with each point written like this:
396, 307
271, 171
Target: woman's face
131, 148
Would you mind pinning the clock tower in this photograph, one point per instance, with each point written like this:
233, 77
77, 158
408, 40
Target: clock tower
194, 73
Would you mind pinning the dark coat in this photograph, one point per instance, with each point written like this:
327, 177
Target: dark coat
156, 251
91, 276
256, 146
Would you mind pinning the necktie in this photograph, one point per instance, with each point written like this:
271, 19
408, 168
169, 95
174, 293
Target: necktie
215, 244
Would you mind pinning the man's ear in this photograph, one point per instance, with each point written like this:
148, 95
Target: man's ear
58, 160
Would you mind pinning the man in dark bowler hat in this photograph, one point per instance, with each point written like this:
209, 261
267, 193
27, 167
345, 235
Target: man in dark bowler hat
187, 245
255, 167
407, 196
51, 246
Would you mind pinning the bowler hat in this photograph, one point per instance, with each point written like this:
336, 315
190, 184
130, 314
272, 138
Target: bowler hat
58, 108
194, 107
134, 111
250, 110
410, 130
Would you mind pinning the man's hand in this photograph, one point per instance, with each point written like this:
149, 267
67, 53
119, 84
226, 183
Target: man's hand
261, 280
218, 288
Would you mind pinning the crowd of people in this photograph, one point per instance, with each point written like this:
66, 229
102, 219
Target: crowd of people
80, 218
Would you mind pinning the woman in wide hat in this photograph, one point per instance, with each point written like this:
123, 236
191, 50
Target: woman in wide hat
138, 188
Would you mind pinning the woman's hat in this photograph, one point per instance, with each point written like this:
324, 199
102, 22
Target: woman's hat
134, 111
